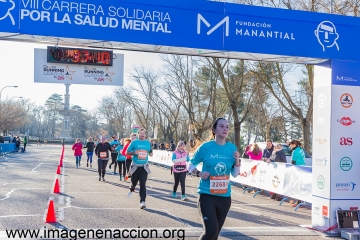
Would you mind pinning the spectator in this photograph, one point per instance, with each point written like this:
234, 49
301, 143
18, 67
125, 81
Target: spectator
268, 150
1, 139
172, 146
154, 144
17, 139
255, 152
25, 142
192, 143
245, 152
167, 147
277, 156
297, 158
162, 146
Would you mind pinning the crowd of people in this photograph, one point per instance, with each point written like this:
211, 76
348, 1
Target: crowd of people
275, 153
131, 156
17, 141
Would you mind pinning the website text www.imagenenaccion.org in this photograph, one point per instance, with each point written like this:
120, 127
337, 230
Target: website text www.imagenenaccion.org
51, 233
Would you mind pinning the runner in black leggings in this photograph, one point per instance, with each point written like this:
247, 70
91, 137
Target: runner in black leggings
102, 152
219, 159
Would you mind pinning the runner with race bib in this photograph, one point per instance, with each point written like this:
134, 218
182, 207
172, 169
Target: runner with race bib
140, 149
219, 159
102, 152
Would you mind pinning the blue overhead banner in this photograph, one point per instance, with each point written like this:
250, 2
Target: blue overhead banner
191, 24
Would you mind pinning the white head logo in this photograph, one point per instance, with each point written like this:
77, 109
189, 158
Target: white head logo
5, 7
327, 35
220, 169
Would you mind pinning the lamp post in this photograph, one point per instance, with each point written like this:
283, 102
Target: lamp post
4, 88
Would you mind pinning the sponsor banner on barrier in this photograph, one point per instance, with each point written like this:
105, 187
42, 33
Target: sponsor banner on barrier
46, 72
161, 157
298, 182
281, 178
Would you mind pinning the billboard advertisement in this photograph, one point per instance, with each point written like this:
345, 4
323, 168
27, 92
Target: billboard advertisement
70, 73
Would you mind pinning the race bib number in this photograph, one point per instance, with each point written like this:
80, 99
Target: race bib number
142, 154
219, 184
103, 155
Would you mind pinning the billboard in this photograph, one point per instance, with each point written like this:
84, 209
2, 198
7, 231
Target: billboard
79, 56
70, 73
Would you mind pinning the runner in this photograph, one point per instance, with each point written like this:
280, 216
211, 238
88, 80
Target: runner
128, 157
114, 144
219, 159
77, 148
102, 152
90, 145
179, 158
121, 159
140, 149
45, 141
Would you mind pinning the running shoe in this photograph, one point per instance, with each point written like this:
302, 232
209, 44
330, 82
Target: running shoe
183, 197
87, 164
129, 194
99, 178
90, 165
103, 179
126, 178
110, 166
174, 195
114, 173
121, 178
142, 205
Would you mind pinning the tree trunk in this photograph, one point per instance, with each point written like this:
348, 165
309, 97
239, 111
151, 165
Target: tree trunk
305, 125
237, 127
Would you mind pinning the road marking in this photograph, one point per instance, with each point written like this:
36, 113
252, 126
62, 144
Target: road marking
9, 216
8, 194
252, 212
36, 167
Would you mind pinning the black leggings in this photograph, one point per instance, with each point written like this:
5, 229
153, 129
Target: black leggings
114, 160
140, 175
128, 164
102, 167
213, 211
122, 168
179, 177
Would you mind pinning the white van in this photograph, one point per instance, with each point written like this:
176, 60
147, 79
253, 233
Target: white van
287, 151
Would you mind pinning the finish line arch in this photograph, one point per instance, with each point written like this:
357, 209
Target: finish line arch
204, 28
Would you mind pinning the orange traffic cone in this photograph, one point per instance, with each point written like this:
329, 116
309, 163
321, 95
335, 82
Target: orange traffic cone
50, 216
61, 162
58, 171
57, 187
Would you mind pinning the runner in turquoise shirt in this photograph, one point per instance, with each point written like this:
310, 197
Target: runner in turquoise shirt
142, 148
219, 159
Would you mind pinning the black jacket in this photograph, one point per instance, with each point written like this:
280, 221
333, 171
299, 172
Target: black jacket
103, 148
279, 157
90, 146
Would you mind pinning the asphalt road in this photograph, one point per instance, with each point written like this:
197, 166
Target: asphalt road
27, 179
